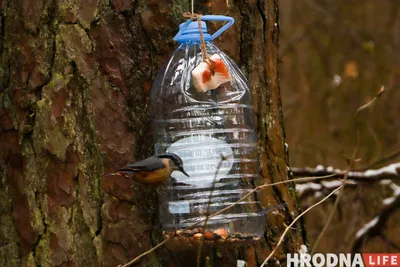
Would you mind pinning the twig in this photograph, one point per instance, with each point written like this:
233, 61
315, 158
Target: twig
303, 179
320, 190
394, 154
351, 161
262, 187
295, 220
375, 226
208, 210
391, 171
378, 143
330, 217
377, 95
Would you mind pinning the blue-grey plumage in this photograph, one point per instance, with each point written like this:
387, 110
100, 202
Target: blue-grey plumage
155, 169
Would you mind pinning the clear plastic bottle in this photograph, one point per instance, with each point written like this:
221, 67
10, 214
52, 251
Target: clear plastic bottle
199, 127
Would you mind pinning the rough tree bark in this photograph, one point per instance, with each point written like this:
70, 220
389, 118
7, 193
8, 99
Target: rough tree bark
74, 78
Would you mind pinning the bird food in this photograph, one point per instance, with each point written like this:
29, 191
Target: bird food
181, 240
210, 74
219, 234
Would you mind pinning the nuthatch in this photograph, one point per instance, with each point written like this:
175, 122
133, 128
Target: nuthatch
154, 169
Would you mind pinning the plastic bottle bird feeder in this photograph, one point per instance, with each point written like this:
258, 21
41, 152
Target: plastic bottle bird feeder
200, 123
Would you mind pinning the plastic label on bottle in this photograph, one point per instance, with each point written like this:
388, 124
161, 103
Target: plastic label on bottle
201, 156
177, 207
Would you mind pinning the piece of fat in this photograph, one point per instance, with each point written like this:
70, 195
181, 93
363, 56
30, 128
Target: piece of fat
203, 78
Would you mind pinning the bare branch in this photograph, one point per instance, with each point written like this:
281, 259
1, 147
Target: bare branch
391, 171
208, 210
375, 226
394, 154
295, 220
328, 221
377, 95
352, 160
319, 189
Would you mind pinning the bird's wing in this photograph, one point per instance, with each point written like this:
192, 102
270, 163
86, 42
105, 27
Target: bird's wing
150, 164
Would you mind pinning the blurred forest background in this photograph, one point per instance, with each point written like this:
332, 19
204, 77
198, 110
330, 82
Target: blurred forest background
335, 55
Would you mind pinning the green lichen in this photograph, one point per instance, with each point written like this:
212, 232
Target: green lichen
43, 56
92, 187
65, 8
31, 261
54, 141
99, 246
40, 134
74, 45
82, 243
178, 8
9, 106
42, 255
57, 82
59, 143
9, 249
50, 134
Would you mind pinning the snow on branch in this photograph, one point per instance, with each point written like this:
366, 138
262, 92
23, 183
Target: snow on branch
391, 171
319, 188
386, 175
375, 226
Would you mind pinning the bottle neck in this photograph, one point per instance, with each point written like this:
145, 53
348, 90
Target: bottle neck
193, 38
193, 42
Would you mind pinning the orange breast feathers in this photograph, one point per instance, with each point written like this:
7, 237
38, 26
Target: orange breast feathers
203, 77
156, 176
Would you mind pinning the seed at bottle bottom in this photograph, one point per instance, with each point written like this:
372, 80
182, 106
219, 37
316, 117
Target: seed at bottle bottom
220, 235
197, 236
208, 235
183, 242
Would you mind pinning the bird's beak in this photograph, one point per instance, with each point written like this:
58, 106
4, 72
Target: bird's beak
183, 171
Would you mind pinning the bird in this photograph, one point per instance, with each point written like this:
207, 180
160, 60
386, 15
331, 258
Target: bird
155, 169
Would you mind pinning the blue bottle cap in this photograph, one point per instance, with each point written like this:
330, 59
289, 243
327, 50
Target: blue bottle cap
189, 31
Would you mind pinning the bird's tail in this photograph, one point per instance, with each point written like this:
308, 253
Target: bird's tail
127, 171
124, 171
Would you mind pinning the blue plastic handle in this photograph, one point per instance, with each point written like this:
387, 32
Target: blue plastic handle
230, 21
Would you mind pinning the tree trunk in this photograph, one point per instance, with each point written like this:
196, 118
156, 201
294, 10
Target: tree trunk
74, 80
